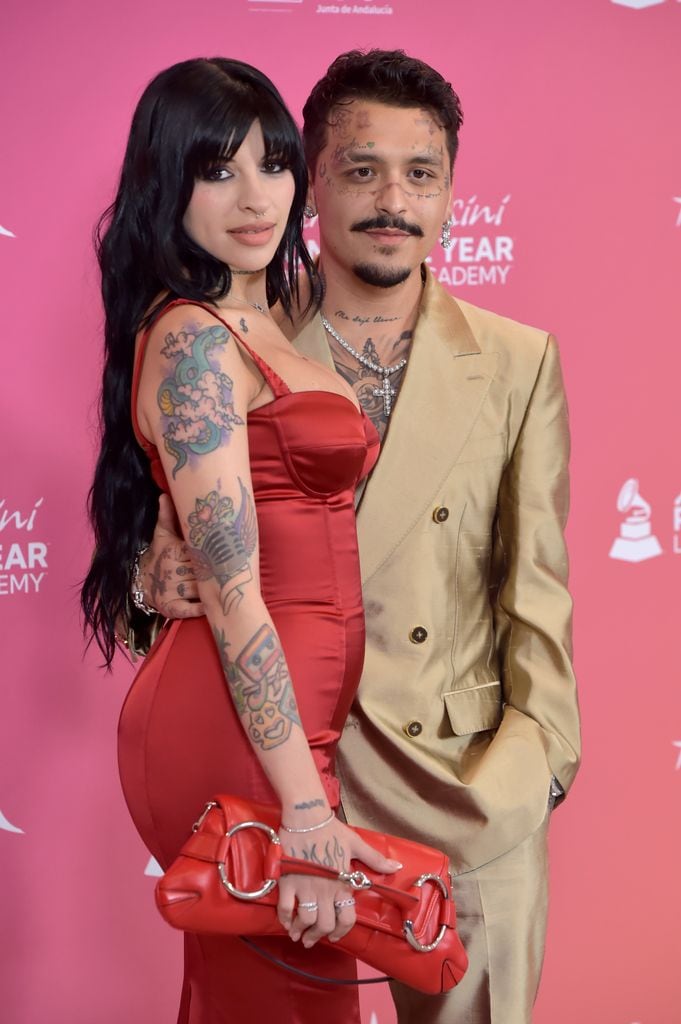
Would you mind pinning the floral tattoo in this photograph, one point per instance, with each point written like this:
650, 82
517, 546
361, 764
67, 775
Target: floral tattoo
197, 400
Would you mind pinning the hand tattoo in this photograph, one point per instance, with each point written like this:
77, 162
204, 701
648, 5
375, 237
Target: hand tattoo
196, 401
331, 856
160, 577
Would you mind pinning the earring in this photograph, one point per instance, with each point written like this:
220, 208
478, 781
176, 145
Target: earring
309, 211
446, 239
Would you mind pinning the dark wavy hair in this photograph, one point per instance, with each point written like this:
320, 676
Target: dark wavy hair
383, 76
190, 116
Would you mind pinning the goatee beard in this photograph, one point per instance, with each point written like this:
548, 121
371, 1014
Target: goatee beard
380, 277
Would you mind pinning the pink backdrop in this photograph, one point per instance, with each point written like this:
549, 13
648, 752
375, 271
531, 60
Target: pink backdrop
572, 144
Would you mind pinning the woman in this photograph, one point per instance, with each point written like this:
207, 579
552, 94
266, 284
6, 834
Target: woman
260, 451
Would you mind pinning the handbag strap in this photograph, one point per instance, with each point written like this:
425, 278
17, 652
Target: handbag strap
355, 879
306, 974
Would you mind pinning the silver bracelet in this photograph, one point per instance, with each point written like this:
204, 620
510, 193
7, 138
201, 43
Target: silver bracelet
311, 828
136, 588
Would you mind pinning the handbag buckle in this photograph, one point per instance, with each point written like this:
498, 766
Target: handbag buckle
408, 926
355, 879
269, 883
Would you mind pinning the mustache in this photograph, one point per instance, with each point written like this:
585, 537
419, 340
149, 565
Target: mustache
380, 223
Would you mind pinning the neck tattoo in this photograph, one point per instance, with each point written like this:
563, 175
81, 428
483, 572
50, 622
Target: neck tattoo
385, 391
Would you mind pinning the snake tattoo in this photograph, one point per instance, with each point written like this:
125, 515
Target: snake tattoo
197, 400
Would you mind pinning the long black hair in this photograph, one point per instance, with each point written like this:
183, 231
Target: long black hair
190, 116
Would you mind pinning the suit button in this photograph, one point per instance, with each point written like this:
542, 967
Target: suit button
418, 634
413, 728
441, 514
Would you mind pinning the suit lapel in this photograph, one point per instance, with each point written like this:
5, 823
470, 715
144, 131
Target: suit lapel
311, 342
443, 391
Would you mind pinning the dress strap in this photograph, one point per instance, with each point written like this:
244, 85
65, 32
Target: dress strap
277, 385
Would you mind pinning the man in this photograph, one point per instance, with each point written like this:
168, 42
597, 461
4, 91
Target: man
465, 727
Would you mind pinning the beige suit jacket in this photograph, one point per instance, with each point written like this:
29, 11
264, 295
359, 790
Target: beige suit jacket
454, 736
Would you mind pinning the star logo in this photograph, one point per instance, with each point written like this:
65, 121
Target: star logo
677, 199
153, 868
7, 826
7, 232
677, 743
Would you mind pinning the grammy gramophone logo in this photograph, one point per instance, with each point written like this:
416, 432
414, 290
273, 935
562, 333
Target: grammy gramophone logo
636, 541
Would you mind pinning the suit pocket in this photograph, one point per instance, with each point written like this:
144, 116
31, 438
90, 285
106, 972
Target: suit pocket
474, 708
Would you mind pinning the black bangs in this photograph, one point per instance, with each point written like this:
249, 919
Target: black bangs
282, 138
190, 117
230, 121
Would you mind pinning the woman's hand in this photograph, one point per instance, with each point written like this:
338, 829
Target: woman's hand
314, 907
166, 571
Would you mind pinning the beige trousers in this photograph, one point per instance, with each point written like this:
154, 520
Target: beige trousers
501, 911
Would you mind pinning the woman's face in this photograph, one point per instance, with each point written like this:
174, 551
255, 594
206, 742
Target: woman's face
238, 213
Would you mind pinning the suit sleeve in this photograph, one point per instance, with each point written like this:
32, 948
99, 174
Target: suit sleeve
533, 614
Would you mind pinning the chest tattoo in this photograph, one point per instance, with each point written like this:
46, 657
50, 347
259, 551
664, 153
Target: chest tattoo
367, 384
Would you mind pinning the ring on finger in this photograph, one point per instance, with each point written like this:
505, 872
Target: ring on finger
339, 904
313, 905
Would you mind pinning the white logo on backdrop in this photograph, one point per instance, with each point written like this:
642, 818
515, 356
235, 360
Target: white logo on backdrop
273, 6
636, 541
479, 253
21, 561
153, 868
354, 9
7, 232
284, 7
638, 5
677, 743
7, 826
677, 199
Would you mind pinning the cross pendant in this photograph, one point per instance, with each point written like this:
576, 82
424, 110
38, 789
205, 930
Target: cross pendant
387, 393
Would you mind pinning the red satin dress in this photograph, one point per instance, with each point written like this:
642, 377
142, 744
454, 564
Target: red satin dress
180, 739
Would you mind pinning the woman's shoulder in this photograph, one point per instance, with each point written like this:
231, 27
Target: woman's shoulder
174, 314
187, 339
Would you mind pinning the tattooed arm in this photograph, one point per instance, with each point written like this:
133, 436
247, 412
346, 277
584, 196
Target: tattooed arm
193, 403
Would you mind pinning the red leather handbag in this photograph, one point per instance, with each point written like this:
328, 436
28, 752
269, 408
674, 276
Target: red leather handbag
224, 882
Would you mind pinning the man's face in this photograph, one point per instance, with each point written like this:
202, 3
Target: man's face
382, 187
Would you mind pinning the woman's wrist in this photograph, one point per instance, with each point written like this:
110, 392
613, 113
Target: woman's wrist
301, 829
304, 814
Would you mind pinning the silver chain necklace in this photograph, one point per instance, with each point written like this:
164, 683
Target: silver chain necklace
386, 391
